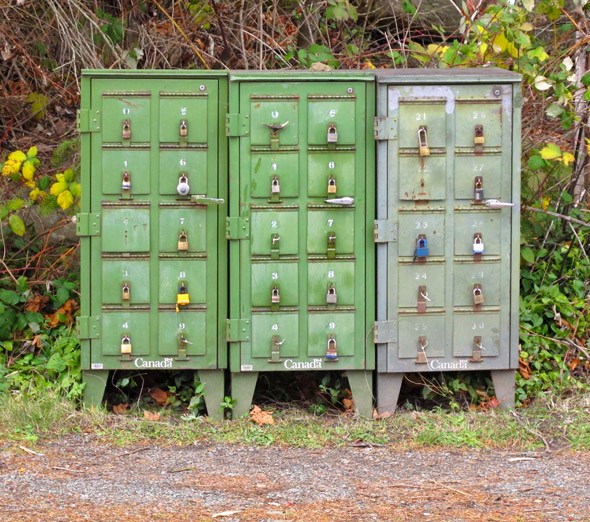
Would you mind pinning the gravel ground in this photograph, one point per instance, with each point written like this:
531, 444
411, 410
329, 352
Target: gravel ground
76, 479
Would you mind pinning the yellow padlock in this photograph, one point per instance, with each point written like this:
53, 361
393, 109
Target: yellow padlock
183, 297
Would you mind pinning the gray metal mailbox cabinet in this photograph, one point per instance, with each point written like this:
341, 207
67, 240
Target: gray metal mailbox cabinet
447, 228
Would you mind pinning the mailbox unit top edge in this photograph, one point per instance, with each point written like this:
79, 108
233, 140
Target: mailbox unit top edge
438, 76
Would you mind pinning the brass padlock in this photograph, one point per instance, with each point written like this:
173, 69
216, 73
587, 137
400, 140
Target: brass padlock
125, 292
332, 135
126, 181
183, 129
477, 295
479, 138
126, 348
331, 185
275, 187
126, 130
478, 189
423, 148
182, 297
182, 241
332, 349
331, 296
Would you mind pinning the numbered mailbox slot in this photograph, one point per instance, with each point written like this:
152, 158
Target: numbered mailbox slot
422, 178
413, 278
332, 119
414, 224
416, 114
274, 120
472, 117
184, 117
126, 229
275, 285
274, 176
116, 326
477, 285
125, 281
182, 282
175, 165
331, 335
471, 225
322, 276
331, 174
134, 163
274, 233
182, 335
190, 224
421, 252
430, 329
476, 177
330, 232
481, 327
275, 337
126, 117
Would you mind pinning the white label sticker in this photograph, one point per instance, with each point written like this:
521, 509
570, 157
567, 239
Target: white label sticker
246, 367
96, 366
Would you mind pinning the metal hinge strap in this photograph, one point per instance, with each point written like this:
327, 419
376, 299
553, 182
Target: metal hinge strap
384, 231
385, 128
237, 330
87, 224
236, 125
88, 120
385, 332
237, 228
88, 327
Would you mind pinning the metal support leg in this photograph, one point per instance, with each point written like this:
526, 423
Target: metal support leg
242, 390
95, 382
505, 387
361, 385
388, 388
214, 391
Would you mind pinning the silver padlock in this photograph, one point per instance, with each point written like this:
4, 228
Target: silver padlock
332, 135
332, 349
275, 186
478, 189
477, 244
183, 187
331, 296
125, 181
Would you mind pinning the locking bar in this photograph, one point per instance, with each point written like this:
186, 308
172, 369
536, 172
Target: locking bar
423, 299
331, 247
476, 351
275, 128
421, 357
495, 203
275, 241
202, 199
183, 343
275, 349
345, 201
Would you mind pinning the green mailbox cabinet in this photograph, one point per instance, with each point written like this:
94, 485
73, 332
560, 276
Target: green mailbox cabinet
447, 228
300, 227
153, 251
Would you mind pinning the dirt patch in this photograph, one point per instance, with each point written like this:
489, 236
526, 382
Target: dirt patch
76, 479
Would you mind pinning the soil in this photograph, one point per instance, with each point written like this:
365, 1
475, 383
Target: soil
78, 479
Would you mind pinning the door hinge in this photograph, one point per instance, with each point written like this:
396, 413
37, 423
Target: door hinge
237, 125
237, 330
237, 228
87, 224
88, 327
385, 128
385, 332
88, 120
384, 231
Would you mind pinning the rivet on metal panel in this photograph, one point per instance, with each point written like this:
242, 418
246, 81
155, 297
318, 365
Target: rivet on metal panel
476, 352
332, 349
421, 357
423, 148
478, 189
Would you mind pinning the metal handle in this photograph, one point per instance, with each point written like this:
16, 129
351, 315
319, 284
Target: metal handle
345, 201
496, 203
202, 199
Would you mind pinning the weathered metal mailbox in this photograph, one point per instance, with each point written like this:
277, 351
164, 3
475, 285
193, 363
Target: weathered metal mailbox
447, 233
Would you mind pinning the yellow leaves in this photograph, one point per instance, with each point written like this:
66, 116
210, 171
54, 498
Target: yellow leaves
552, 152
10, 167
66, 190
28, 170
18, 156
587, 146
501, 44
58, 187
65, 200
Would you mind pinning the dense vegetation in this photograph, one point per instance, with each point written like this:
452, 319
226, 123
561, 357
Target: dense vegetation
547, 41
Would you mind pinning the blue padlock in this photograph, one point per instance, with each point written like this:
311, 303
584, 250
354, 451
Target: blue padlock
421, 247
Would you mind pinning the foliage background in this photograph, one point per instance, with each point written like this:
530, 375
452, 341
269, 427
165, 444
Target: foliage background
44, 44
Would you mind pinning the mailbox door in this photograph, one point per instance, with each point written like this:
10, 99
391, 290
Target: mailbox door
153, 262
447, 283
301, 259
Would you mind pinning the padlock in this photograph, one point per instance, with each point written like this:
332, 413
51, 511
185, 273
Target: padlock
182, 297
421, 246
478, 189
183, 129
421, 357
125, 292
331, 185
477, 244
275, 187
275, 295
126, 181
182, 241
183, 187
331, 297
477, 295
479, 138
332, 136
126, 130
126, 345
423, 148
332, 349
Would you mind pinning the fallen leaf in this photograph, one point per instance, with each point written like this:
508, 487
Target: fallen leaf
379, 416
160, 396
120, 409
36, 303
151, 415
63, 314
260, 416
348, 404
524, 369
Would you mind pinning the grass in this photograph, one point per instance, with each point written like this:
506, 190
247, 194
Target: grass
549, 423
